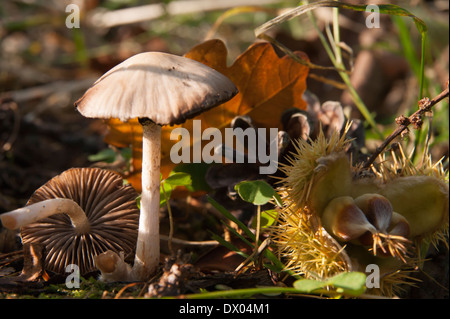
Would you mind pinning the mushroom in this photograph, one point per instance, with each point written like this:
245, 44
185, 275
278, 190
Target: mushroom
76, 216
159, 89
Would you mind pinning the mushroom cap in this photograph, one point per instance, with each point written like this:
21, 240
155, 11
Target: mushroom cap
110, 208
165, 88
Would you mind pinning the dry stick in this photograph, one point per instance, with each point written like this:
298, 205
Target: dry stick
182, 242
145, 13
11, 105
425, 105
8, 258
44, 90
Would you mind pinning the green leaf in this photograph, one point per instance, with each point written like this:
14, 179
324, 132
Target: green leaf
170, 183
348, 283
353, 283
178, 179
198, 173
268, 218
308, 285
126, 153
255, 192
106, 155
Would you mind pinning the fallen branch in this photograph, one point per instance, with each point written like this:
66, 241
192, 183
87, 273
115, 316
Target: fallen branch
5, 105
44, 90
403, 122
109, 19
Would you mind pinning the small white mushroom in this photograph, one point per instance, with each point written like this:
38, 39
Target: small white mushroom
159, 89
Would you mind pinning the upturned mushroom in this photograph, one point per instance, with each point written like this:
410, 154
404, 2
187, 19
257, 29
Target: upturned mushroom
159, 89
76, 216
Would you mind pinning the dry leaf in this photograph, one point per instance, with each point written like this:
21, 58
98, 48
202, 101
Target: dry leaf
268, 85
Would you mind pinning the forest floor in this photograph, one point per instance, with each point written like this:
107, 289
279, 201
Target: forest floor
45, 67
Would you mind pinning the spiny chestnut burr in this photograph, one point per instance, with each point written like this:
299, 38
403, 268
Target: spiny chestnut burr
320, 171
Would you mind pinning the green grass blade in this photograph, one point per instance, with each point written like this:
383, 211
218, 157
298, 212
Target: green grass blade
228, 245
229, 216
235, 233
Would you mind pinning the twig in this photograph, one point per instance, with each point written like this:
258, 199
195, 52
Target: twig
108, 19
121, 291
254, 255
11, 105
425, 105
8, 258
177, 241
44, 90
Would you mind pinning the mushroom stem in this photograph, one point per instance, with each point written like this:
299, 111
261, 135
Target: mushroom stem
29, 214
147, 247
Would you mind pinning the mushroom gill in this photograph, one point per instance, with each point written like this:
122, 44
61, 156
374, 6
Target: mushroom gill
110, 208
